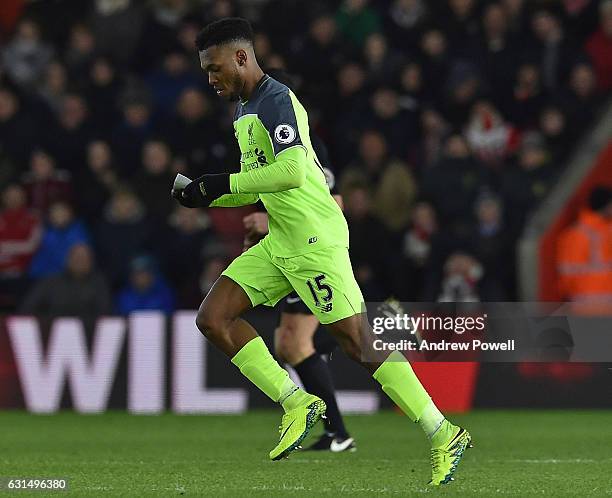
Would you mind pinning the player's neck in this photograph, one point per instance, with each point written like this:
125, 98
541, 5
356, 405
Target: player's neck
251, 84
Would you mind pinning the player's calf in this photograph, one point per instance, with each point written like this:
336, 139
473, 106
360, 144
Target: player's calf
353, 335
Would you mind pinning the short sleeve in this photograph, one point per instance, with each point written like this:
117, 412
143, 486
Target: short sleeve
278, 115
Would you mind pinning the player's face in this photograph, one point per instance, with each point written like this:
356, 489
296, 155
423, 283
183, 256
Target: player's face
222, 64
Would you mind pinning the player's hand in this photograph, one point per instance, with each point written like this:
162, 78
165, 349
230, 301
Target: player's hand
183, 201
203, 190
256, 223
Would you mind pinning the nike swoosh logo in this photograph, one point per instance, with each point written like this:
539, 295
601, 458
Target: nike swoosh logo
452, 442
293, 300
285, 432
340, 446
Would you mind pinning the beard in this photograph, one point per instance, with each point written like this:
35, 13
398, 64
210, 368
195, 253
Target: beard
238, 86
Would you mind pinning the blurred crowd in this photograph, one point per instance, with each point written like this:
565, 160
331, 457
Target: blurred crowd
447, 122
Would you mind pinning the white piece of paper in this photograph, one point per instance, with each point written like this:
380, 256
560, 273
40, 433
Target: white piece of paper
181, 181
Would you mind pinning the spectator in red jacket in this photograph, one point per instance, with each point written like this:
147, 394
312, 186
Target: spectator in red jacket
599, 47
20, 233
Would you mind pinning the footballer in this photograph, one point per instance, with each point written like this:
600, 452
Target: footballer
306, 250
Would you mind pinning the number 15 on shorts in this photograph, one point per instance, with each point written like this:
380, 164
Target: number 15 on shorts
321, 292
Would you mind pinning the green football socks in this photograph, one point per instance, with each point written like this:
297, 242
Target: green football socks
257, 364
400, 383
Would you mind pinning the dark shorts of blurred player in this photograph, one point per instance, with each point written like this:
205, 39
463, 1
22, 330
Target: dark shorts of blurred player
323, 342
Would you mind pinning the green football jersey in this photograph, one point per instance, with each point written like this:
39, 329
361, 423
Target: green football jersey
274, 140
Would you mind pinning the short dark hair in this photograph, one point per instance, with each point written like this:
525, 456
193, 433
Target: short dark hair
224, 30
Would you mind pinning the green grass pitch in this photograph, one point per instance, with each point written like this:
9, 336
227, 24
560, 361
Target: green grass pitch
516, 453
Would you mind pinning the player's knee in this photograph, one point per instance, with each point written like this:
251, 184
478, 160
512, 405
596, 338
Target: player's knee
212, 324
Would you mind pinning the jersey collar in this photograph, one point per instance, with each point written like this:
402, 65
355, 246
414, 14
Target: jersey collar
260, 83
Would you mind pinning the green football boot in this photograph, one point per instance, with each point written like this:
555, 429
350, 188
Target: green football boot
296, 425
445, 458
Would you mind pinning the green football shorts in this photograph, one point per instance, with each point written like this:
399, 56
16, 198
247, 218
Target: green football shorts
323, 279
